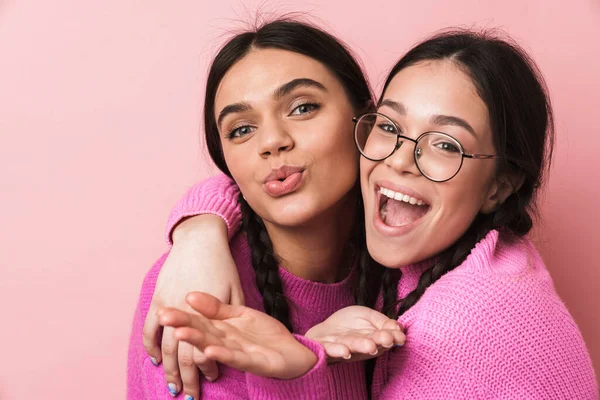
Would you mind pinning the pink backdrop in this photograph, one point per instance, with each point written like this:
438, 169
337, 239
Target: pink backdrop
99, 116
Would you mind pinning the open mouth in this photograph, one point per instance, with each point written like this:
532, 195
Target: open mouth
397, 209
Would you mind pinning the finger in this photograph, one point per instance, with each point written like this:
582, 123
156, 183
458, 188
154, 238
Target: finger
190, 377
207, 367
362, 345
170, 361
381, 321
383, 338
211, 307
392, 325
176, 318
150, 336
399, 337
336, 351
197, 338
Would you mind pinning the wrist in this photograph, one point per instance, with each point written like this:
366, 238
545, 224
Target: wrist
309, 360
204, 225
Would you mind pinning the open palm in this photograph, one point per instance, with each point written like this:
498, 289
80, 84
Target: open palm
241, 337
356, 333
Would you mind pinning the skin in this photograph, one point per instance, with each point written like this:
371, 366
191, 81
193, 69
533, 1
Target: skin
425, 90
308, 127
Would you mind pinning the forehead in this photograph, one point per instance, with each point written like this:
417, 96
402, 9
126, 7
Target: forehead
261, 71
438, 87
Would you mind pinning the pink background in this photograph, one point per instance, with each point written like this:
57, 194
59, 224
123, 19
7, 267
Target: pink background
99, 116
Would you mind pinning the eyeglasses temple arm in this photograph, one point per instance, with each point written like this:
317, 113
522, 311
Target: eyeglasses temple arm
481, 156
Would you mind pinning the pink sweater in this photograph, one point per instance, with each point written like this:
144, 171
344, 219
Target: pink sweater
493, 328
310, 304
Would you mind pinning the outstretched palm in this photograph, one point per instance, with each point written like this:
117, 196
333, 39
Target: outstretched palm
356, 333
241, 337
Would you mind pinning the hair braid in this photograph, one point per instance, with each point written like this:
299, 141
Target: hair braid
265, 265
390, 280
522, 125
369, 271
449, 259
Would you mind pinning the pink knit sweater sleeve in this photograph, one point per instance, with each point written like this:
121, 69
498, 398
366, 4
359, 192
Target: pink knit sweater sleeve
494, 328
334, 382
217, 195
147, 382
312, 385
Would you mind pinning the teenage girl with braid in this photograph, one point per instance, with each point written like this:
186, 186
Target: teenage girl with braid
451, 165
278, 120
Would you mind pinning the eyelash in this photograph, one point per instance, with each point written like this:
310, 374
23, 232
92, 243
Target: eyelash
313, 106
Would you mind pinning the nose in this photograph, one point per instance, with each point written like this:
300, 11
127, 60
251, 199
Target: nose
403, 159
273, 139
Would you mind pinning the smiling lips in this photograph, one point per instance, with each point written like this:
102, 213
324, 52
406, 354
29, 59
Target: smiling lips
283, 180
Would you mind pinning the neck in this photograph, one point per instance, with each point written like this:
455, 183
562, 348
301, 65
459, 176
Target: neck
318, 250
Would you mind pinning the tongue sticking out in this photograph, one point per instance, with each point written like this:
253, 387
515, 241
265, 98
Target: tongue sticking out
399, 213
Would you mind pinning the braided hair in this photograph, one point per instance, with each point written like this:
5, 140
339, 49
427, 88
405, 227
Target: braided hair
301, 38
511, 86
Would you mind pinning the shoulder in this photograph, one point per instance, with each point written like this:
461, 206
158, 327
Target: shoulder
499, 316
502, 287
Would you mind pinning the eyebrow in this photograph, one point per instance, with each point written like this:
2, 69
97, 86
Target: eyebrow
436, 119
231, 109
281, 91
394, 105
450, 120
287, 88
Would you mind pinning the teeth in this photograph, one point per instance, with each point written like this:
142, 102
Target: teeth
400, 197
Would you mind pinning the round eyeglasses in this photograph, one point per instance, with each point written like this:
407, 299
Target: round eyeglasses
438, 156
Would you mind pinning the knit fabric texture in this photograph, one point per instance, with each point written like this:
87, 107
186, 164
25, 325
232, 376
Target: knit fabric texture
310, 303
493, 328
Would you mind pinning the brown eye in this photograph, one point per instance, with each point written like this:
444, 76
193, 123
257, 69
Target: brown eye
448, 147
305, 108
240, 132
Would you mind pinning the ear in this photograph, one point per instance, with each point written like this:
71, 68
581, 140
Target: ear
503, 186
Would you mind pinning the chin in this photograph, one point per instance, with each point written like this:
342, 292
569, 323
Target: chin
293, 215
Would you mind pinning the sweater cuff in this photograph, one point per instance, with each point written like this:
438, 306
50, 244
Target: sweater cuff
312, 385
217, 195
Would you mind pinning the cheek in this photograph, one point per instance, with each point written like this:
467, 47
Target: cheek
462, 198
333, 149
366, 167
239, 164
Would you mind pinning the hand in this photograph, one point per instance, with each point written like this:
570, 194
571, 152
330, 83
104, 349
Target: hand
199, 260
356, 333
240, 337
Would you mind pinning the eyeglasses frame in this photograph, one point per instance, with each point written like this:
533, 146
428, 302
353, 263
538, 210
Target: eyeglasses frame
416, 141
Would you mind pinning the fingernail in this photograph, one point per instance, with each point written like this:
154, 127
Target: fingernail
387, 346
172, 389
188, 397
210, 379
349, 356
374, 353
399, 345
153, 361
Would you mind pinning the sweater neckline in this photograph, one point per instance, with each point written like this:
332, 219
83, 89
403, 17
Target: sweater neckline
317, 295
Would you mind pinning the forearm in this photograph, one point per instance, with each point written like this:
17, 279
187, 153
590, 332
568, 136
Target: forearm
216, 196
